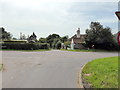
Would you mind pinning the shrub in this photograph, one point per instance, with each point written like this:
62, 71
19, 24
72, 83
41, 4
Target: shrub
58, 45
25, 46
43, 45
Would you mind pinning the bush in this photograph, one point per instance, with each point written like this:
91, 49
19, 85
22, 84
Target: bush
25, 46
58, 45
43, 45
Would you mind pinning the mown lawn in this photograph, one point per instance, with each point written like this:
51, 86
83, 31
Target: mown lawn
90, 50
79, 50
101, 73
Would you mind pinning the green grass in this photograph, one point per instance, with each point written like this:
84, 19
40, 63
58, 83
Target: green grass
90, 50
79, 50
25, 50
1, 66
102, 73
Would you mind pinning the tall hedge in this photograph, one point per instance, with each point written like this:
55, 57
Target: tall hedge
25, 46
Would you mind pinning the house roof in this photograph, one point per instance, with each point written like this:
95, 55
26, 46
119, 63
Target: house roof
78, 40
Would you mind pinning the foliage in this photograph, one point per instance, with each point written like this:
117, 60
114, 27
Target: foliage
117, 46
15, 41
31, 39
64, 39
25, 46
14, 38
67, 44
115, 37
50, 39
42, 40
55, 40
58, 45
99, 36
103, 73
54, 43
26, 50
4, 34
44, 46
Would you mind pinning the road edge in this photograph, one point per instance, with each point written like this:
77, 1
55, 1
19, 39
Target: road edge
79, 81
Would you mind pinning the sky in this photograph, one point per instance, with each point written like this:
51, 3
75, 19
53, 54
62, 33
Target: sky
62, 17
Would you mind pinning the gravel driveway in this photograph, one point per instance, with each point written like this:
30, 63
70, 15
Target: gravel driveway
47, 69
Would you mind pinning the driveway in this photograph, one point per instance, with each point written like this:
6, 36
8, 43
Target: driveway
47, 69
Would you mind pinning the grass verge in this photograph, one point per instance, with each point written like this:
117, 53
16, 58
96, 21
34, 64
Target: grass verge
90, 50
79, 50
101, 73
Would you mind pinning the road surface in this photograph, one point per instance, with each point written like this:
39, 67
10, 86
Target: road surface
47, 69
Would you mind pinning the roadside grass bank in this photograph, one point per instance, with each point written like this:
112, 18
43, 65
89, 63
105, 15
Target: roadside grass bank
25, 50
101, 73
90, 50
1, 67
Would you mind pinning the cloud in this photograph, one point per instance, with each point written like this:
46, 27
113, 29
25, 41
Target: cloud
45, 17
108, 20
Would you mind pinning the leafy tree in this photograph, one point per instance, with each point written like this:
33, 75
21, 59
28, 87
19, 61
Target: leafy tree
54, 43
64, 39
53, 36
32, 38
50, 39
99, 36
14, 38
4, 34
42, 40
58, 45
67, 43
115, 37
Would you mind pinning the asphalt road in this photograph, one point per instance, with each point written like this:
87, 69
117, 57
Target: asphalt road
47, 69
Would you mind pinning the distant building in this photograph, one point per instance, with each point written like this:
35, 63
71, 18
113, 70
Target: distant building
78, 40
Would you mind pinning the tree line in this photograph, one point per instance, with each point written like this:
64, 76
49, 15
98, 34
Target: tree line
97, 35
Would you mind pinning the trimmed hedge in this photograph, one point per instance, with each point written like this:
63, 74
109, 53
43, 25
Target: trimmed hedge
25, 46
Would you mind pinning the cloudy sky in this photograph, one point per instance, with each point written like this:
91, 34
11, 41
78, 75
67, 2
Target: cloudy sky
63, 17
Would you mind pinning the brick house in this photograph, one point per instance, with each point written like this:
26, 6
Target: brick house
78, 40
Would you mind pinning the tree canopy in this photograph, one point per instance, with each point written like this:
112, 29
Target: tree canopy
99, 36
50, 39
54, 40
4, 34
42, 40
